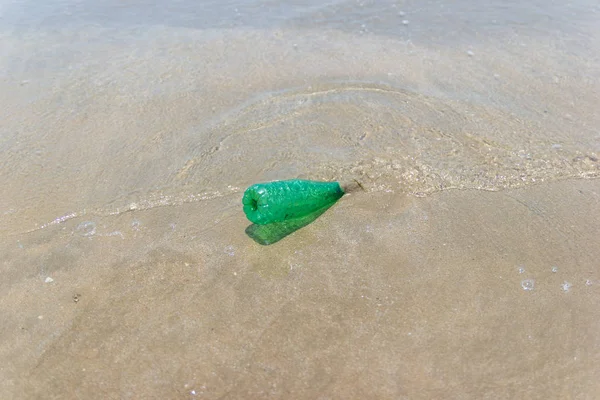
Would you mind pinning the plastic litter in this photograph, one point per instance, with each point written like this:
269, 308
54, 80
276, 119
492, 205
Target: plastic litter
267, 203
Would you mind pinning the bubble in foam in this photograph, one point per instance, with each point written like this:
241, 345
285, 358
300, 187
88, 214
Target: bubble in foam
528, 284
86, 228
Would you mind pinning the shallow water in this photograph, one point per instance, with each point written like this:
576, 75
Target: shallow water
129, 131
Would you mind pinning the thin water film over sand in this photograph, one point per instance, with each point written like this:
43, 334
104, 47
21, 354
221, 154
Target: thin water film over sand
466, 268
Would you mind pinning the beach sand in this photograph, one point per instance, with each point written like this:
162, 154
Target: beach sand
448, 296
468, 268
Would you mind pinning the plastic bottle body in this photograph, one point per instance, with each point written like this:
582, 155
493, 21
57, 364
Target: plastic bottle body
265, 203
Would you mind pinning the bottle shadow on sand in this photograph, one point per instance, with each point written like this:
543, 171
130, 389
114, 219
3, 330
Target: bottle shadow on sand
274, 232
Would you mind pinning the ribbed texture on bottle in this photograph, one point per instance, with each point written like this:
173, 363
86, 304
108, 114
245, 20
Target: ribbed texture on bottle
265, 203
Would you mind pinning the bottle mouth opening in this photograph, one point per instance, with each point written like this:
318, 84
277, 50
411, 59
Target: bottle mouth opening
253, 204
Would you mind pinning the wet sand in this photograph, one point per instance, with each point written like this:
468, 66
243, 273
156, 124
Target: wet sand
467, 268
423, 298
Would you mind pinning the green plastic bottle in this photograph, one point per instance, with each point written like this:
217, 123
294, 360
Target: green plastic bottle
266, 203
